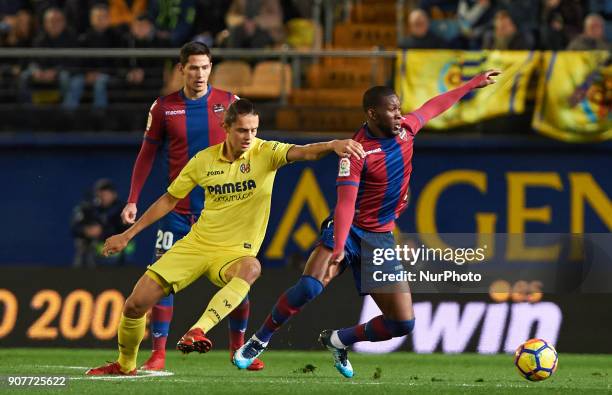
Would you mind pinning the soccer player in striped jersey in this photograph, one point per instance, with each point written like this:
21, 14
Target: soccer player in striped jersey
372, 193
180, 125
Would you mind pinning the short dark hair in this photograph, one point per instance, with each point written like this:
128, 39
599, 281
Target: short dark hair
373, 96
237, 108
193, 48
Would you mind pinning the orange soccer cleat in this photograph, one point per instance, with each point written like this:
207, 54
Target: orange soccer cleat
194, 340
110, 369
157, 361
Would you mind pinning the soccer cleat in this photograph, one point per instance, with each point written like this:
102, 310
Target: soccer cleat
257, 363
341, 362
111, 368
247, 355
194, 340
157, 361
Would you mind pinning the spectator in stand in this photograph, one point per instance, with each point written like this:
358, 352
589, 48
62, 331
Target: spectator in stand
592, 37
525, 11
475, 17
16, 29
173, 19
209, 21
443, 20
97, 72
124, 12
51, 71
8, 16
505, 34
420, 36
561, 21
100, 34
142, 35
78, 13
39, 7
93, 220
255, 23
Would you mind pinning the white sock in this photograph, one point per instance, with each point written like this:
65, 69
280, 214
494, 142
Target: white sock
335, 340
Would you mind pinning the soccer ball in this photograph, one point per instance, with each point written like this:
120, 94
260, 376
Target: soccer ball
536, 360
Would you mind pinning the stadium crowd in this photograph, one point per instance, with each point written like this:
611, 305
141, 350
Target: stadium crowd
463, 24
510, 25
467, 24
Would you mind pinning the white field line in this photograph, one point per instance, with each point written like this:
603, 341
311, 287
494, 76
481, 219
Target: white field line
141, 374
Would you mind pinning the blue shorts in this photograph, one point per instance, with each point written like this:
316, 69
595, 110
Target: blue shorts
359, 247
171, 229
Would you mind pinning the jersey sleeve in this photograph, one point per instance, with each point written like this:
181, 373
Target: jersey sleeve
142, 168
186, 180
155, 130
349, 171
438, 104
413, 122
277, 153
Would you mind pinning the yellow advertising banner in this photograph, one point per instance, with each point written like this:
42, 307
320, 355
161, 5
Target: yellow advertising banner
423, 74
575, 96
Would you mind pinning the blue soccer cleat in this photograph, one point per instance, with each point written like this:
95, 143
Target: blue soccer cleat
245, 355
341, 362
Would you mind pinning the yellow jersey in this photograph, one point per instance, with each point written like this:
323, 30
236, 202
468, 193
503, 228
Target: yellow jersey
238, 194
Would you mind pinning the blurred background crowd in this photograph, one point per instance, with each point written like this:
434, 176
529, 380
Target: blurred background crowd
467, 24
77, 93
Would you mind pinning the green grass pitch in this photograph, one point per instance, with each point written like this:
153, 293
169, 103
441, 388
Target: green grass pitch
293, 372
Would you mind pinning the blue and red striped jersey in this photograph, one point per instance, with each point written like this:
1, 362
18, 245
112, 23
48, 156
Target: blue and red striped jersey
382, 176
183, 127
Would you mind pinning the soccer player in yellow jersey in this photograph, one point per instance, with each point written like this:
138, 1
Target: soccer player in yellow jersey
237, 176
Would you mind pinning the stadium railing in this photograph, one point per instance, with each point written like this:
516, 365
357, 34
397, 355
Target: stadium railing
294, 58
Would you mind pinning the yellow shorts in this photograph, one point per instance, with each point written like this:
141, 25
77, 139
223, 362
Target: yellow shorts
187, 261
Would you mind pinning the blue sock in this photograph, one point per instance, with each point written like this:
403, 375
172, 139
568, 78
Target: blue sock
377, 329
161, 316
238, 320
289, 304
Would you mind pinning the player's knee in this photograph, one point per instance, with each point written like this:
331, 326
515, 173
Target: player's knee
399, 328
310, 286
134, 307
251, 270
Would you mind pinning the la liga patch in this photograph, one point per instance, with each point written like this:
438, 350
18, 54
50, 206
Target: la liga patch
345, 167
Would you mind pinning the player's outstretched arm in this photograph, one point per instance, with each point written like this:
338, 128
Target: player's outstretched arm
315, 151
437, 105
160, 208
140, 173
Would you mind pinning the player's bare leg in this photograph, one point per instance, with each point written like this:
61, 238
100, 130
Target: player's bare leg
395, 306
318, 273
239, 277
320, 267
132, 327
160, 318
145, 294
